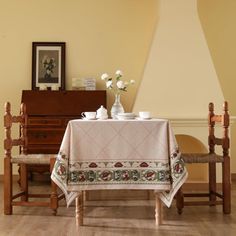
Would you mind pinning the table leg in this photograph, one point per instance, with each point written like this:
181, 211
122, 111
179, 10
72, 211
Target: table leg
158, 210
79, 209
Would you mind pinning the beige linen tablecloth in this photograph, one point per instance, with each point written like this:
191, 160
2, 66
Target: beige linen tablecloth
113, 154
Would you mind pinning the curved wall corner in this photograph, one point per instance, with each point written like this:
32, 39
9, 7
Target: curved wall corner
179, 76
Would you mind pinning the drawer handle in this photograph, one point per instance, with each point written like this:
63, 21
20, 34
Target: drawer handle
40, 136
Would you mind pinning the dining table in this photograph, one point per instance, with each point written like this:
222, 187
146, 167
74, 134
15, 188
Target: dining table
136, 154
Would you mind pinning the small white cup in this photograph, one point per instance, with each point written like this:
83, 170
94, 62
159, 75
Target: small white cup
145, 114
90, 115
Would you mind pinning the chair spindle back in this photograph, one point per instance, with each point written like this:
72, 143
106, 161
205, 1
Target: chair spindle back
9, 120
224, 120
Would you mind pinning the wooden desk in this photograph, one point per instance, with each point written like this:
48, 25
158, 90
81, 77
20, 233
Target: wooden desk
48, 114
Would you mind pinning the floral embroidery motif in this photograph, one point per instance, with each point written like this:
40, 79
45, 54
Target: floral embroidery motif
93, 165
61, 170
121, 172
175, 153
62, 156
105, 175
144, 164
118, 164
178, 167
81, 176
150, 175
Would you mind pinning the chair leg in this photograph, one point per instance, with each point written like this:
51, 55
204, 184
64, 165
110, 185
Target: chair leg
24, 181
212, 184
226, 186
7, 186
180, 201
54, 195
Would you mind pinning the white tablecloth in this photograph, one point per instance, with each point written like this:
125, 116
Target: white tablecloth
113, 154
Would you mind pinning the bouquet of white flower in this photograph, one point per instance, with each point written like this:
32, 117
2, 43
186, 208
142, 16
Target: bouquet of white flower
117, 85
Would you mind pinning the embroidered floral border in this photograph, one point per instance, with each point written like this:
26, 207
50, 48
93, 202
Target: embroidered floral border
116, 172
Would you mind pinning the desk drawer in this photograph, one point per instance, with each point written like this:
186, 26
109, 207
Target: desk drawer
43, 149
45, 136
45, 122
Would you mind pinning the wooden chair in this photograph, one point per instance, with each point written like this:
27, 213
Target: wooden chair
212, 158
23, 159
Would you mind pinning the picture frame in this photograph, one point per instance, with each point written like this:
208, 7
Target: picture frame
48, 66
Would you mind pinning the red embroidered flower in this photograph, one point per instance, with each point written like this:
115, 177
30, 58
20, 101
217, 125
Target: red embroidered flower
144, 164
118, 164
93, 165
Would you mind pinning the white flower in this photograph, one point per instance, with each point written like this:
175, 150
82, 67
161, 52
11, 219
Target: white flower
120, 84
104, 76
132, 81
119, 73
109, 84
117, 85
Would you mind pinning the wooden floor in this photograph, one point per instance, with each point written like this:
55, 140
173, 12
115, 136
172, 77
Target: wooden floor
113, 218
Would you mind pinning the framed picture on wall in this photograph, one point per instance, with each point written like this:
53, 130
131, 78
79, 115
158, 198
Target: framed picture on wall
48, 65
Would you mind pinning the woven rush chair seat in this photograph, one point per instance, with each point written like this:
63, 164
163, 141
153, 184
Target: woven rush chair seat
201, 158
41, 159
214, 195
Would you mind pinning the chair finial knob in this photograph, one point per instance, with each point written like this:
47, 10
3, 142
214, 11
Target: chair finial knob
225, 106
7, 107
211, 107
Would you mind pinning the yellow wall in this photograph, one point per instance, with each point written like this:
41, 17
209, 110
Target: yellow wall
179, 68
218, 19
101, 36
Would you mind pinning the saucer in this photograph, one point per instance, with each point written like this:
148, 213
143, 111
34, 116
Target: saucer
140, 118
126, 114
84, 118
102, 118
125, 118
